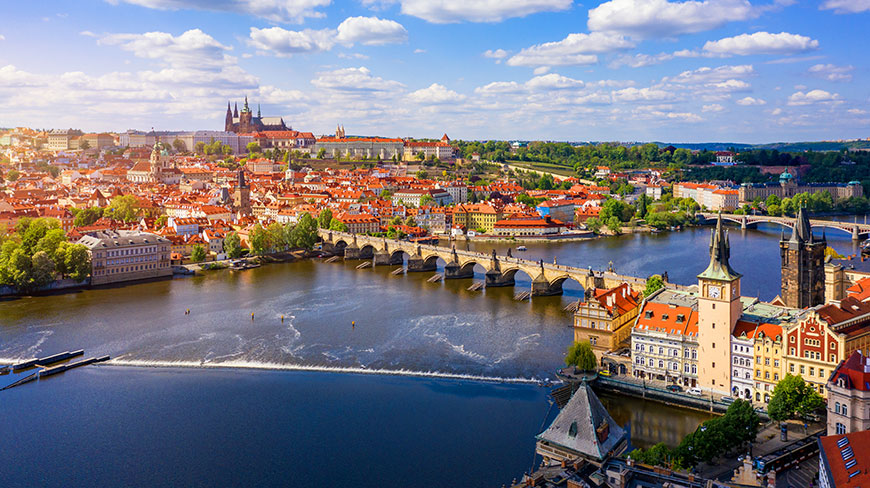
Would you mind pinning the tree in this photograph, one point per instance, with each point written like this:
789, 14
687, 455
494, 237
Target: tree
160, 222
422, 174
50, 244
793, 397
426, 200
614, 225
653, 284
259, 240
35, 231
253, 147
124, 208
325, 218
197, 255
642, 204
304, 234
12, 175
84, 144
580, 355
410, 222
87, 216
337, 225
179, 145
396, 220
233, 245
77, 261
321, 154
593, 224
199, 147
616, 208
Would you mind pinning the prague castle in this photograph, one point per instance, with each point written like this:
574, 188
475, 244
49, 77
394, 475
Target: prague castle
244, 122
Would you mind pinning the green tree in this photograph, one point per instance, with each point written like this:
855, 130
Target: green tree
304, 234
396, 220
279, 239
124, 208
12, 175
197, 255
199, 147
84, 144
616, 208
580, 355
321, 154
410, 222
325, 218
422, 174
653, 284
87, 216
34, 232
337, 225
793, 397
50, 244
179, 145
43, 270
233, 245
426, 200
614, 225
594, 224
77, 261
259, 240
253, 147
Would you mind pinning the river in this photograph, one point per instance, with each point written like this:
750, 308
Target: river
427, 409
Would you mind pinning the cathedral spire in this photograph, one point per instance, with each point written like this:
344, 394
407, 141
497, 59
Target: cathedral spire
802, 230
258, 112
720, 252
236, 111
247, 108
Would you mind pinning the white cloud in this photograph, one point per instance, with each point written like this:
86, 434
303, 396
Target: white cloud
713, 75
776, 111
354, 80
832, 72
731, 85
715, 107
575, 49
541, 70
435, 94
640, 60
419, 51
498, 88
663, 18
495, 54
192, 48
747, 101
553, 81
811, 97
283, 42
761, 43
371, 31
846, 6
447, 11
2, 37
856, 111
632, 94
274, 10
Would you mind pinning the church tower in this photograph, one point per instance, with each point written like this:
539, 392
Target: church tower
803, 265
242, 195
228, 125
719, 308
245, 119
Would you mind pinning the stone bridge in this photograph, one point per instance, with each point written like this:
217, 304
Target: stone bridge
546, 278
858, 231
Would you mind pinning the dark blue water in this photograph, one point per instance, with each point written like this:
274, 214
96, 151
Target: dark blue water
110, 426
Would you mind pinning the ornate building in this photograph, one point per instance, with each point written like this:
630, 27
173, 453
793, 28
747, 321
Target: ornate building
244, 122
159, 169
803, 265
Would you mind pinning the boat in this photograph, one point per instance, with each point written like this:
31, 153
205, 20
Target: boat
522, 248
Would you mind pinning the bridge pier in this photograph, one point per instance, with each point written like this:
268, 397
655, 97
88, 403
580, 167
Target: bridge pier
367, 253
416, 263
542, 288
351, 253
496, 278
386, 259
327, 247
452, 271
855, 235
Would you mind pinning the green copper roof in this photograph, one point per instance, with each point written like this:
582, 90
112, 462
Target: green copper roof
720, 251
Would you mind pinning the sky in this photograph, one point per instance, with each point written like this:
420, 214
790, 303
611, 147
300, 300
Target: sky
617, 70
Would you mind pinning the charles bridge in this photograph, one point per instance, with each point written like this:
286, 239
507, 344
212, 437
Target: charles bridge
546, 278
858, 231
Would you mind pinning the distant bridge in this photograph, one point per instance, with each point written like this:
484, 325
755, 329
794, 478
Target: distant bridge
857, 231
546, 278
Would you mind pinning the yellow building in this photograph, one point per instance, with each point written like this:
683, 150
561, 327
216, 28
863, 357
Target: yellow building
477, 216
768, 368
605, 318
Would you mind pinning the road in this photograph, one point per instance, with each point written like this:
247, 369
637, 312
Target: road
800, 478
554, 175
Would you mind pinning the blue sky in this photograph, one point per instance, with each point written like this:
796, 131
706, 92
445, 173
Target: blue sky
682, 71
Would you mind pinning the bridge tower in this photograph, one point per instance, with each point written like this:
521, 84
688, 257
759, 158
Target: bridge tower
719, 308
803, 265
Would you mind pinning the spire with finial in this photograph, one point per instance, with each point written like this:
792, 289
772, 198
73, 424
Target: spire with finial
802, 231
247, 108
258, 111
720, 252
236, 111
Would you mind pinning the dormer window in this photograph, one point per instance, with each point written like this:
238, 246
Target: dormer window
681, 318
664, 316
649, 314
572, 430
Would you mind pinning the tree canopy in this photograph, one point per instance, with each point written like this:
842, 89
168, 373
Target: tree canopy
580, 355
792, 398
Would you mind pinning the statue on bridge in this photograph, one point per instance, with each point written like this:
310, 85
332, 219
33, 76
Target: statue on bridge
610, 267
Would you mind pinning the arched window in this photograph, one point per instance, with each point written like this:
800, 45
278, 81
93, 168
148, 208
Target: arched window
845, 410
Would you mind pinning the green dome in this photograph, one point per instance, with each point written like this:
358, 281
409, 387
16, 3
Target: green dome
785, 176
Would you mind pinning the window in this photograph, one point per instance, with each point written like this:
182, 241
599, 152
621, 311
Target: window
661, 364
791, 368
837, 407
775, 376
767, 375
845, 410
767, 361
776, 363
803, 369
812, 371
822, 373
758, 373
841, 429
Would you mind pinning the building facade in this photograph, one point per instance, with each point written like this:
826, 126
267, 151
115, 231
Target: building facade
127, 256
664, 339
245, 122
605, 318
849, 396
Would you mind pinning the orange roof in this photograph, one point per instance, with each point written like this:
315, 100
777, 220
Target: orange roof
663, 317
860, 290
852, 450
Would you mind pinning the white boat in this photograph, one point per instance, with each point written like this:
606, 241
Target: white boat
522, 248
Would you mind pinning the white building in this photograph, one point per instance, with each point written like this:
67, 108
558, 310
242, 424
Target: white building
664, 339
